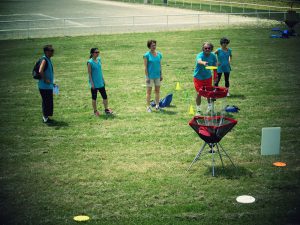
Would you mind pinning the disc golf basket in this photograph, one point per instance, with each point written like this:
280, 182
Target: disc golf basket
211, 129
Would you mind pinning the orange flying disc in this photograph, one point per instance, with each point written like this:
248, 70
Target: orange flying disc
279, 164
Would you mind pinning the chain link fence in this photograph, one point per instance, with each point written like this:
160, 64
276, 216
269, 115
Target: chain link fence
37, 28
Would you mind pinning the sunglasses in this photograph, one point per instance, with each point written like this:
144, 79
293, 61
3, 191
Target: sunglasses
51, 50
207, 48
224, 43
96, 52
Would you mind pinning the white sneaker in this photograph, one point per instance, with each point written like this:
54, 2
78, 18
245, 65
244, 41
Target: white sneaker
149, 110
157, 108
228, 92
45, 119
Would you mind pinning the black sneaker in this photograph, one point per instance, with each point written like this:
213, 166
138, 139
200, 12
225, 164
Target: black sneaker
108, 111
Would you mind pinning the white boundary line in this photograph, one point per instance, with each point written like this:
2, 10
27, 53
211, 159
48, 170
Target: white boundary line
71, 22
46, 16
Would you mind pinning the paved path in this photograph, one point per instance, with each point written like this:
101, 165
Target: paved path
65, 17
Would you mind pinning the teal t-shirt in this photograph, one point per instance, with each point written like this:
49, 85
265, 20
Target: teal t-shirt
97, 75
223, 59
49, 75
153, 64
200, 72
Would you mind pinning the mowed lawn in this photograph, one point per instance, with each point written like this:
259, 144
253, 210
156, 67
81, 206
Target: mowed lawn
131, 168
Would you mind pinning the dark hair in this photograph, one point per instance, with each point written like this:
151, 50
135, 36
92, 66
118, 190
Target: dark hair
208, 43
149, 42
92, 51
47, 48
224, 40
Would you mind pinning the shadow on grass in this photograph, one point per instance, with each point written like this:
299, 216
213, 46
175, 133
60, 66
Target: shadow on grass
229, 171
108, 117
237, 96
57, 124
168, 112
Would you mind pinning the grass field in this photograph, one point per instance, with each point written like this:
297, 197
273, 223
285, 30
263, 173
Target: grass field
131, 168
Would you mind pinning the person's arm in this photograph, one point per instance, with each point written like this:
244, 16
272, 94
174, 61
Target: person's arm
161, 76
146, 68
230, 58
42, 72
102, 71
90, 75
200, 62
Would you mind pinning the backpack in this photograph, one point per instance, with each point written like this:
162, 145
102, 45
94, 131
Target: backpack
165, 102
35, 72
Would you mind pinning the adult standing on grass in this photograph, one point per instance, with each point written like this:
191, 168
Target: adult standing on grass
202, 76
153, 72
46, 84
224, 59
96, 81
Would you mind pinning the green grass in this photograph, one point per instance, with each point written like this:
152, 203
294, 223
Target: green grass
131, 168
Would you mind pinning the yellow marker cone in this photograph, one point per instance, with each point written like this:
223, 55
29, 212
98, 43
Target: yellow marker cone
191, 110
178, 87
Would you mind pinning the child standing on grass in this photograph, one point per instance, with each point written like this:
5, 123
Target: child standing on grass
224, 58
96, 81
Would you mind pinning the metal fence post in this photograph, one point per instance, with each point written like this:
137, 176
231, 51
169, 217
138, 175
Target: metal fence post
200, 6
64, 29
167, 21
243, 7
28, 26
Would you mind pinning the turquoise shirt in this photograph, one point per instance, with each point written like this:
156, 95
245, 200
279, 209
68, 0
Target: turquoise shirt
97, 75
223, 59
200, 72
153, 64
48, 74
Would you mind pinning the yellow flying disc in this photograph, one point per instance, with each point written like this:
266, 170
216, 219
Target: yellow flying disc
81, 218
279, 164
211, 67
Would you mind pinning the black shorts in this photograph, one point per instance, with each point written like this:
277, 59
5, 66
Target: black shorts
102, 92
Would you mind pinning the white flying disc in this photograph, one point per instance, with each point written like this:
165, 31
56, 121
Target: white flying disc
245, 199
81, 218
